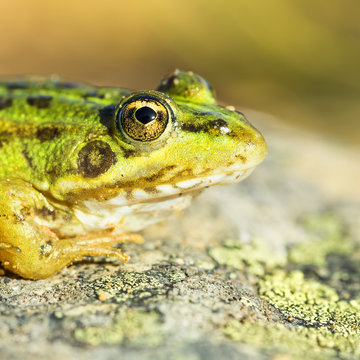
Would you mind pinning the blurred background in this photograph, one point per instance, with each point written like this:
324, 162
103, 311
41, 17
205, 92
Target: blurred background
296, 59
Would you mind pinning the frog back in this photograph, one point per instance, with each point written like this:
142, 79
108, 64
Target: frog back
43, 122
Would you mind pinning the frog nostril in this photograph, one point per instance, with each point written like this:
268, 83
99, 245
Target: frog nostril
145, 114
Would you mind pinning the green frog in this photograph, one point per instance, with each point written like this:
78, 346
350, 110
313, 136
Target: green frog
84, 168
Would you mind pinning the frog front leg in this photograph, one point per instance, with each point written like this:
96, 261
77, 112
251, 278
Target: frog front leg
32, 250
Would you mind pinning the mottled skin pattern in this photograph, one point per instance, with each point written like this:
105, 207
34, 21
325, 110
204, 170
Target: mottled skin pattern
68, 150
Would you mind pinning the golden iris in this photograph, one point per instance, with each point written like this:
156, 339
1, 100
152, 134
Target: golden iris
143, 118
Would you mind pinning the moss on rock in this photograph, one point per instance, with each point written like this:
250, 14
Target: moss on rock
317, 322
131, 327
326, 236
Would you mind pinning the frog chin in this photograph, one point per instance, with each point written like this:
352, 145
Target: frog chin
134, 210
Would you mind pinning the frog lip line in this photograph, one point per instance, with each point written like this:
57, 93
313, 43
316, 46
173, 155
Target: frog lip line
183, 188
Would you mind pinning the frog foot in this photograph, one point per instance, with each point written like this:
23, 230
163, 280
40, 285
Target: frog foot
35, 251
76, 248
40, 259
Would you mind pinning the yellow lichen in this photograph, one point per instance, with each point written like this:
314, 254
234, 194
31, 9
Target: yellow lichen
326, 236
131, 326
318, 323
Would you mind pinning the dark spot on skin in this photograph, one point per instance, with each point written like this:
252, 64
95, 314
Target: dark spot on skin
40, 101
221, 126
46, 133
95, 158
45, 212
128, 153
191, 128
183, 174
151, 190
241, 157
152, 178
17, 86
202, 113
5, 103
219, 123
143, 181
107, 115
160, 174
66, 85
214, 127
93, 94
129, 195
237, 134
27, 157
25, 212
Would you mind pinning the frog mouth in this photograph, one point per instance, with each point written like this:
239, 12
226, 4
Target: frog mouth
184, 188
135, 208
217, 179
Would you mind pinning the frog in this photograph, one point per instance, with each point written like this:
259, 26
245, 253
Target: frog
85, 169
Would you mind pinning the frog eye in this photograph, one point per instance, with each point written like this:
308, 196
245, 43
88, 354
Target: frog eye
143, 118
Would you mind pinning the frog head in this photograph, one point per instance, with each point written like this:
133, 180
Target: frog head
163, 143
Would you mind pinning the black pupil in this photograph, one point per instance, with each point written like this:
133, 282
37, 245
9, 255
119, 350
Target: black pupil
145, 115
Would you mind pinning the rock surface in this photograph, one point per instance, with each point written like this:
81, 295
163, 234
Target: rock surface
268, 268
